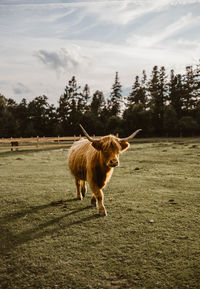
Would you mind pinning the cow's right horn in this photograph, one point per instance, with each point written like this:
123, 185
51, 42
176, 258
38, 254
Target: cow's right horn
131, 136
87, 135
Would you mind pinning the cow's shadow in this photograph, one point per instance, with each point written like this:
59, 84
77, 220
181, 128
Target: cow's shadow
33, 209
10, 240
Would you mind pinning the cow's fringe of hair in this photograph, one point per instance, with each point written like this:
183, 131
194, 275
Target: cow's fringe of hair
110, 141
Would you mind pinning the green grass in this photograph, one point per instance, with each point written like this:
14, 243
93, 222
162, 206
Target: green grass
150, 238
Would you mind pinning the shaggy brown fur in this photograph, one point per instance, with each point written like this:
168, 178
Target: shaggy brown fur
93, 162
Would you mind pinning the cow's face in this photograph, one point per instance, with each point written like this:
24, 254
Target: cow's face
110, 148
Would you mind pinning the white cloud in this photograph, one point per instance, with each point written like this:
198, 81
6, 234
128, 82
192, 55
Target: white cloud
44, 45
20, 88
186, 21
57, 60
122, 12
64, 60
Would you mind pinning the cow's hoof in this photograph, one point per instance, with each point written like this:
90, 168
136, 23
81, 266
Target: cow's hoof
79, 198
103, 213
83, 192
94, 202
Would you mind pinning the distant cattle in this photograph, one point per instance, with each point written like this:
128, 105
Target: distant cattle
14, 144
92, 160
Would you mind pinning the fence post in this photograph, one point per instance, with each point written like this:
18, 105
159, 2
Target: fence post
37, 141
11, 144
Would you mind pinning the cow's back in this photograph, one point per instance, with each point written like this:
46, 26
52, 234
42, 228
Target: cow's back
77, 158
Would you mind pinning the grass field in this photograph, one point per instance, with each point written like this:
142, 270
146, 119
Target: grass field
150, 238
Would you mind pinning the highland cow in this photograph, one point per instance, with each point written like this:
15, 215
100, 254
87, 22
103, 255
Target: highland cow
92, 160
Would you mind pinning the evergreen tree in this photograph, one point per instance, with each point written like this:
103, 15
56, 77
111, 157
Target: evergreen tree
83, 101
114, 103
138, 93
98, 103
52, 126
134, 117
9, 126
23, 118
134, 96
158, 89
197, 82
38, 110
86, 92
163, 91
170, 121
70, 108
189, 91
156, 106
188, 126
176, 90
196, 112
100, 108
3, 103
144, 99
94, 118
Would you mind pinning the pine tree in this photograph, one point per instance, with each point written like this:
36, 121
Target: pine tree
196, 113
170, 121
23, 117
38, 115
69, 110
144, 99
114, 103
3, 103
176, 90
134, 96
93, 118
98, 103
189, 91
197, 84
83, 99
158, 89
138, 93
86, 93
189, 123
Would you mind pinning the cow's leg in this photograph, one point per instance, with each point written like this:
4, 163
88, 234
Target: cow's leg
94, 201
78, 189
99, 196
83, 188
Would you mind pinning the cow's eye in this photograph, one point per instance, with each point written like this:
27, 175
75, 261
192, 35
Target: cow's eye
106, 153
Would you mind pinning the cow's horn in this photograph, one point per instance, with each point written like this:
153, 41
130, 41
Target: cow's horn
131, 136
87, 135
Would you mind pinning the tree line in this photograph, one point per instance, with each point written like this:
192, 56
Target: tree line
161, 105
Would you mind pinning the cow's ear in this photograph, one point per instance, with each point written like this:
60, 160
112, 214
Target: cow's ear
124, 145
96, 145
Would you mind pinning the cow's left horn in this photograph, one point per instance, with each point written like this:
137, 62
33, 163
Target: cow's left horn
131, 136
87, 135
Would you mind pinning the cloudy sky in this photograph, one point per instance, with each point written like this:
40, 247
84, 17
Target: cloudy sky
45, 42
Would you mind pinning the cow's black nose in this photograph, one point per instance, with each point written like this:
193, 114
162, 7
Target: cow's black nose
114, 163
